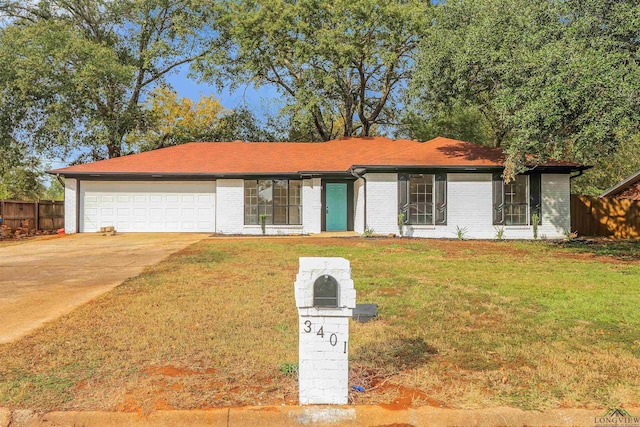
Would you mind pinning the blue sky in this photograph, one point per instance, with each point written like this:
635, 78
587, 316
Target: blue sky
261, 101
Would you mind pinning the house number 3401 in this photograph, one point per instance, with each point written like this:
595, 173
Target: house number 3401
333, 338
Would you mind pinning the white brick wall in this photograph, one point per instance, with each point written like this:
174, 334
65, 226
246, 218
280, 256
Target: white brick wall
230, 206
470, 205
382, 202
230, 210
358, 206
312, 205
323, 372
556, 205
70, 208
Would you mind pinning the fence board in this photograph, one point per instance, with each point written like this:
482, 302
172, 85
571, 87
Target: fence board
50, 215
605, 217
44, 215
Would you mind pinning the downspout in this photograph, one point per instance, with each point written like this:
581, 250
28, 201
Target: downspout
60, 180
77, 205
580, 172
361, 176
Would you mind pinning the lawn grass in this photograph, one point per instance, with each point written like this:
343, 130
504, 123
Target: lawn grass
462, 324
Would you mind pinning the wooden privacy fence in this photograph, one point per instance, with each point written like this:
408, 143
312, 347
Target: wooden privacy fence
605, 217
45, 215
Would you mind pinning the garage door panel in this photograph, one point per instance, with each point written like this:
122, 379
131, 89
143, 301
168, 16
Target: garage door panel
148, 206
156, 212
140, 226
204, 226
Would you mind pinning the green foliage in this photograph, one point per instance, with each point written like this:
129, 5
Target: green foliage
21, 183
401, 220
75, 74
535, 221
461, 123
289, 369
461, 232
552, 79
368, 232
610, 170
499, 233
20, 176
174, 120
55, 190
340, 65
263, 223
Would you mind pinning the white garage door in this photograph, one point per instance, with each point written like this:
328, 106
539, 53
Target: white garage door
148, 206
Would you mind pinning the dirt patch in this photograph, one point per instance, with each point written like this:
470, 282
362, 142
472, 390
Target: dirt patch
407, 397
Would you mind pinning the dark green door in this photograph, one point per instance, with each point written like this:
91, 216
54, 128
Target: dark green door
336, 207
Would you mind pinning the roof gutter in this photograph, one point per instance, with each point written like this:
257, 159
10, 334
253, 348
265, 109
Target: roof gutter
580, 172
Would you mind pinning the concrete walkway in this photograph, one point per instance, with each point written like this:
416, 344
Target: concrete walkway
43, 279
292, 416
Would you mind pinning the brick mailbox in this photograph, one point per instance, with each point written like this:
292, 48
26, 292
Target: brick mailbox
325, 297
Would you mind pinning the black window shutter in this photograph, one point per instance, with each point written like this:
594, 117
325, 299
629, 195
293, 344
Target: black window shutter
535, 196
403, 194
441, 199
498, 199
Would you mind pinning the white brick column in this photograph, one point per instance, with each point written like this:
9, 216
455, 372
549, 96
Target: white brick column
312, 205
323, 370
70, 207
229, 206
382, 202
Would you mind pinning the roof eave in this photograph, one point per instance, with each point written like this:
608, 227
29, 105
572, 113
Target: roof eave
621, 185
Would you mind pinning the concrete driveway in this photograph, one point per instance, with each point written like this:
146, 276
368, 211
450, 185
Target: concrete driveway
43, 279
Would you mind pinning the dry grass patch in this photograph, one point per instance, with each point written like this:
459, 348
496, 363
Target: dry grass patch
462, 324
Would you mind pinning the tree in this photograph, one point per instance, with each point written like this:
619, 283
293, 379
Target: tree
79, 70
173, 121
457, 122
552, 79
240, 124
21, 180
334, 61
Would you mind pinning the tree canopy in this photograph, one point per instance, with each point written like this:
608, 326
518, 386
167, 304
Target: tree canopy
552, 79
340, 65
172, 120
78, 71
88, 78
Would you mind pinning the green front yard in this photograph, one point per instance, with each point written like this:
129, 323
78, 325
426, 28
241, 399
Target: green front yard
462, 324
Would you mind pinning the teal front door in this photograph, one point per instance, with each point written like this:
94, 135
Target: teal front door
336, 207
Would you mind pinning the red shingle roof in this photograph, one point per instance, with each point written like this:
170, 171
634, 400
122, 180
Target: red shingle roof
238, 158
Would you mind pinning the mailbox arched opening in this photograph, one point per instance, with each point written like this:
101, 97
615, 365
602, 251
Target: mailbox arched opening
325, 292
